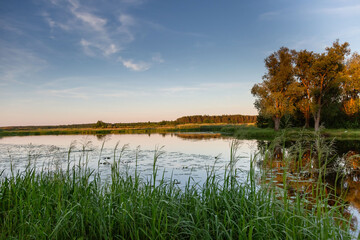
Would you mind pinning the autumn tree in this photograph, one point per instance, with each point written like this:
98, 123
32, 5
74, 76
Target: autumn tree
325, 83
303, 63
275, 96
351, 85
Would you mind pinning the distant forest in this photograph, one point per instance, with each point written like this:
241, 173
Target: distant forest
196, 119
217, 119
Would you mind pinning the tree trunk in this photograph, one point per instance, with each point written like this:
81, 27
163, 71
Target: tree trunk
307, 120
277, 123
317, 119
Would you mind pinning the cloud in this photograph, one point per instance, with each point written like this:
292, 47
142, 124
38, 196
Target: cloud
133, 2
157, 58
111, 49
137, 67
87, 47
225, 85
91, 48
126, 20
126, 23
179, 89
9, 27
79, 93
93, 21
141, 65
125, 93
269, 15
18, 65
346, 11
162, 28
97, 36
75, 89
202, 87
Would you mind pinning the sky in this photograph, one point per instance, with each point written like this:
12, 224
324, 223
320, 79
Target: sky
72, 61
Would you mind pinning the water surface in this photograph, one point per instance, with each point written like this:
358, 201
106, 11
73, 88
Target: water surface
182, 156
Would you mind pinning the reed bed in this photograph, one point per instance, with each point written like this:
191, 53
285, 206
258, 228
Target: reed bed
76, 203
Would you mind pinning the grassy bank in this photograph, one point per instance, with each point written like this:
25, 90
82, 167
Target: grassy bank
252, 132
98, 131
77, 204
241, 131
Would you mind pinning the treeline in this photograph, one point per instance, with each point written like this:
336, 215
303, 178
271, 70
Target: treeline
101, 124
73, 126
217, 119
198, 119
305, 88
233, 119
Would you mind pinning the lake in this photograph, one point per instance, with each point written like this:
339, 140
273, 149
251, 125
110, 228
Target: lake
182, 156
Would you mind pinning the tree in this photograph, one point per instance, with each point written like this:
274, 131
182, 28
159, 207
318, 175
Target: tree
325, 83
303, 63
275, 96
351, 85
100, 124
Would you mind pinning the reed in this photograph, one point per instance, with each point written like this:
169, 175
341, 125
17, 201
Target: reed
76, 203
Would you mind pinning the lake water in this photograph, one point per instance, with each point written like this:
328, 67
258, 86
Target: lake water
183, 155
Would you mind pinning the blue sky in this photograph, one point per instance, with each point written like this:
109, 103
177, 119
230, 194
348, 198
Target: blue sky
71, 61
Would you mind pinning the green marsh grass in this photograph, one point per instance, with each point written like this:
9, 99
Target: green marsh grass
76, 203
240, 131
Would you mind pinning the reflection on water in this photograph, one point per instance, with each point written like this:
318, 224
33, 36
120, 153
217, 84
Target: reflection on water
316, 170
181, 158
199, 136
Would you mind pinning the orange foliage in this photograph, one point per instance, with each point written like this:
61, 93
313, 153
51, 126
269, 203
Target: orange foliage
351, 106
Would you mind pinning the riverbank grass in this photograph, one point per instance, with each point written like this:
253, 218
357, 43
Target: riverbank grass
77, 204
240, 131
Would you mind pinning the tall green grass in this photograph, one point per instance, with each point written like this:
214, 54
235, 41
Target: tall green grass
76, 203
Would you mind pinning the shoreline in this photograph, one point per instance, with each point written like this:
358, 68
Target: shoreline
240, 131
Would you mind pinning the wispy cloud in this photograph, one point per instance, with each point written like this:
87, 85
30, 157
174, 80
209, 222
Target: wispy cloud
79, 93
18, 65
313, 43
140, 66
157, 58
135, 66
269, 15
100, 36
133, 2
179, 89
125, 93
93, 21
162, 28
127, 22
93, 92
96, 36
345, 11
201, 87
91, 47
4, 25
224, 85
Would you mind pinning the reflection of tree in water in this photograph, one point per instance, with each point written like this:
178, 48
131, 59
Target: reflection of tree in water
344, 146
313, 169
199, 136
101, 137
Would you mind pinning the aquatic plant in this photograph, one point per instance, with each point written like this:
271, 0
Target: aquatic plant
77, 203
